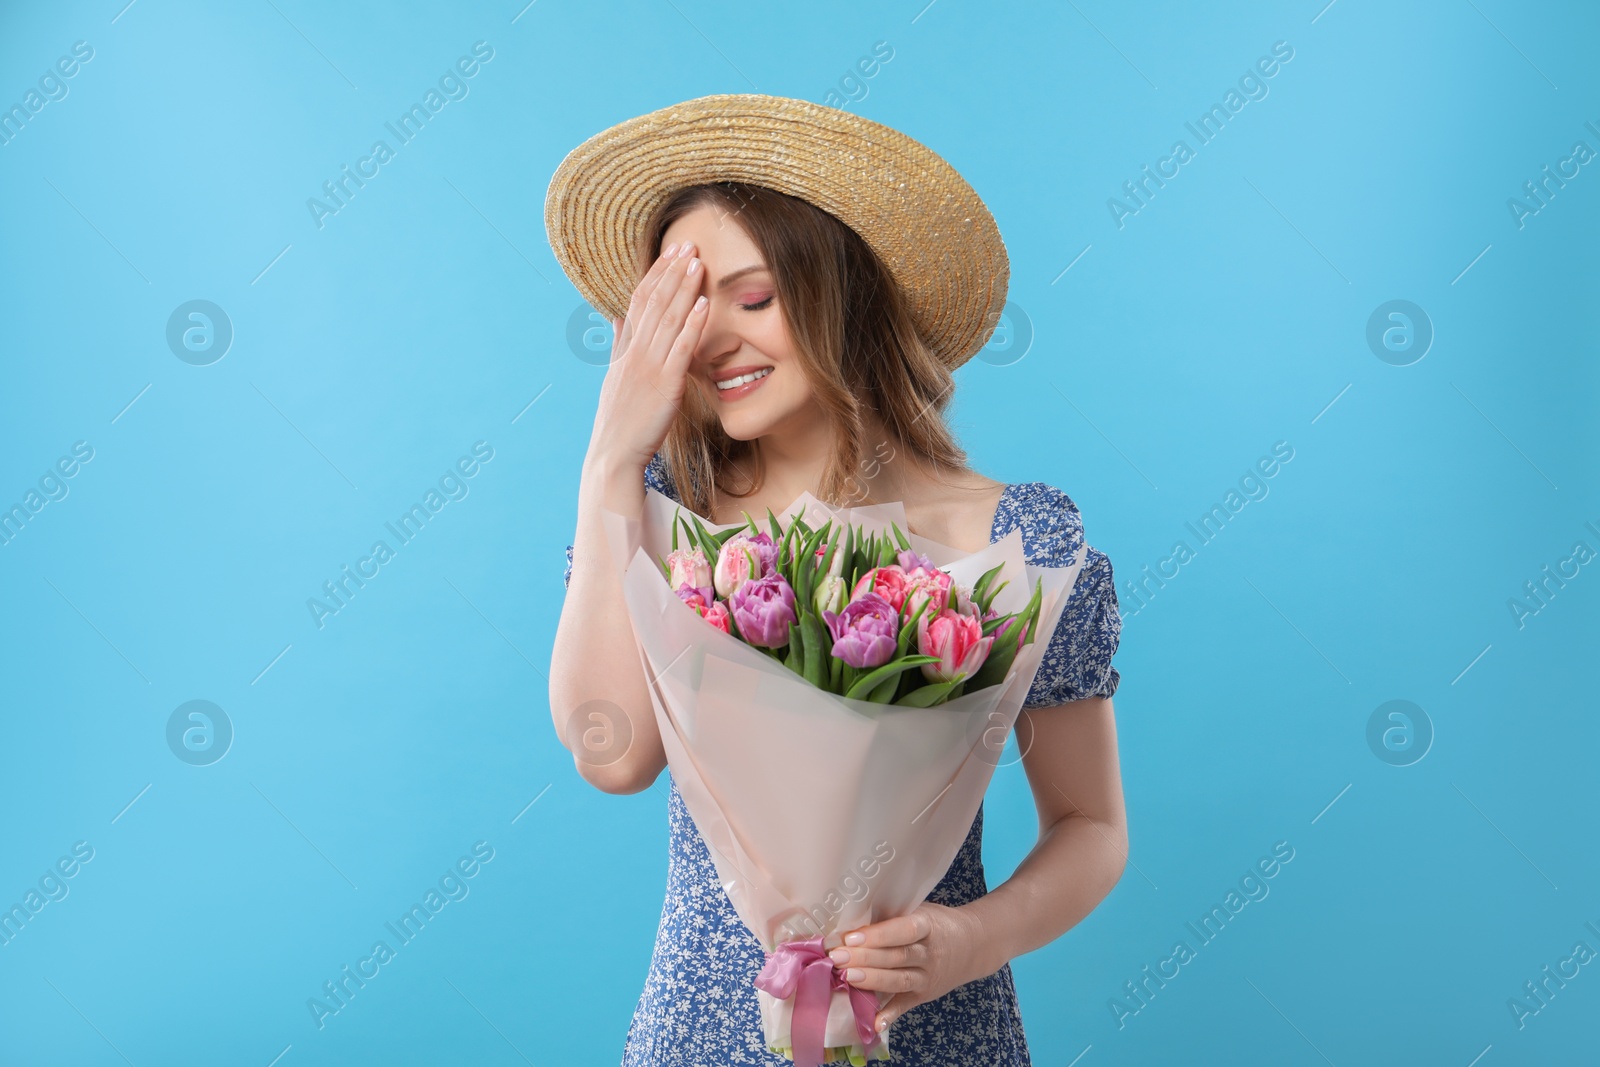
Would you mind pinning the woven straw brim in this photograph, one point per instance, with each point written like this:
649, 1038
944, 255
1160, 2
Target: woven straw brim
912, 208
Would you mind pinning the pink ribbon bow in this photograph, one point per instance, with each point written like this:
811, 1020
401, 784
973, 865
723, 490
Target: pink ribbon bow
801, 969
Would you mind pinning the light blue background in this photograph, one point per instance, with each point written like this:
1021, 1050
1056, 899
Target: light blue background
369, 354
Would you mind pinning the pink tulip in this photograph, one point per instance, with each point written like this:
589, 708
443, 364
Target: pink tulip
957, 640
932, 586
888, 582
744, 558
688, 566
700, 599
717, 615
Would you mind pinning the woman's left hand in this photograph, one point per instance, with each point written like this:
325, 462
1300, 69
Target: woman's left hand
917, 957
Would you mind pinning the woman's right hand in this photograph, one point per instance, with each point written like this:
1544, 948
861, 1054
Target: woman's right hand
650, 354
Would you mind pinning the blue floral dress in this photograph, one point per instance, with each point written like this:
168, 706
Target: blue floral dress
699, 1008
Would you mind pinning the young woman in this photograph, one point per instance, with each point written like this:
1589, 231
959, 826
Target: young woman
767, 350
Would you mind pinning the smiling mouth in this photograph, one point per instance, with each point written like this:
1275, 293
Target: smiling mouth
738, 381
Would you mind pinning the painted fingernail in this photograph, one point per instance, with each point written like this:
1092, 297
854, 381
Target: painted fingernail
683, 249
883, 1024
854, 939
700, 302
839, 955
854, 974
694, 267
666, 253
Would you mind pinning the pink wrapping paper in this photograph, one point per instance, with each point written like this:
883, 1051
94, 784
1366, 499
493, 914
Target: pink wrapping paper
821, 813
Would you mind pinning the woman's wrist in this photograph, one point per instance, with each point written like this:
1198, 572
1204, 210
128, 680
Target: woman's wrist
992, 946
614, 482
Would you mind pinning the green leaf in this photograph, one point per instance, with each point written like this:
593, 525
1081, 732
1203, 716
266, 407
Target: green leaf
784, 554
805, 576
899, 537
674, 531
827, 557
903, 639
995, 623
988, 597
929, 695
836, 666
796, 658
777, 531
872, 679
826, 533
810, 634
1033, 610
795, 533
806, 570
982, 584
677, 521
885, 690
708, 541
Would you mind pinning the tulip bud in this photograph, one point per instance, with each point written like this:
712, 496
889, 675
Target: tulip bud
830, 595
737, 562
958, 642
689, 566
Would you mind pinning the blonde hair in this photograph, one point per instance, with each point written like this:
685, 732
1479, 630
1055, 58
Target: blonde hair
854, 337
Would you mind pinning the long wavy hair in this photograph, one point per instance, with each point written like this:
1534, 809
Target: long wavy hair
856, 344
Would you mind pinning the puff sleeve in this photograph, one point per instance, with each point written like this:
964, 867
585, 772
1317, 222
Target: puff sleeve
1077, 661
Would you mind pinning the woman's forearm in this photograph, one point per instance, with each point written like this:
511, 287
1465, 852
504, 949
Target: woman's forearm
1071, 869
599, 701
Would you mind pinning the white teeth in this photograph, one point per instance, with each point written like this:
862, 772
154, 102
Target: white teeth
743, 378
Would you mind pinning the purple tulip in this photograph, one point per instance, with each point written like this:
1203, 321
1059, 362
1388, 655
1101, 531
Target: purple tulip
766, 552
910, 559
763, 608
865, 632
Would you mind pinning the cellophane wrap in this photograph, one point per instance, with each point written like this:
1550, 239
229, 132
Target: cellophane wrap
821, 813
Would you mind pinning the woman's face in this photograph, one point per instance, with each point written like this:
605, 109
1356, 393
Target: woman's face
744, 332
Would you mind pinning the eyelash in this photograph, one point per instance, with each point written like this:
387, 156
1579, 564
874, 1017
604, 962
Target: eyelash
757, 306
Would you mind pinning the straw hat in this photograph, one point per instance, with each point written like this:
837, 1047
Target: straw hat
923, 220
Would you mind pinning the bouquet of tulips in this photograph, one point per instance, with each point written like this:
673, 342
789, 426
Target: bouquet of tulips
849, 610
832, 701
